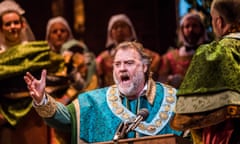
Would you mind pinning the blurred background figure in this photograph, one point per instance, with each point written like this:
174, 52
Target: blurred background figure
79, 63
80, 68
58, 32
19, 123
208, 100
14, 27
120, 28
175, 62
76, 75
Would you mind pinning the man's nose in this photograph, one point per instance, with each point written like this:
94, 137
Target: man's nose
122, 67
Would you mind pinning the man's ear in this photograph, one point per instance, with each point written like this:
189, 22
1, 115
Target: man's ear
219, 22
145, 67
222, 25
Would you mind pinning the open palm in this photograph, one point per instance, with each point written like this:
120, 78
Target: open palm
36, 87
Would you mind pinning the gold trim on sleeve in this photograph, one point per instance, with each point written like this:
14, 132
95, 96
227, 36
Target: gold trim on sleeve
47, 110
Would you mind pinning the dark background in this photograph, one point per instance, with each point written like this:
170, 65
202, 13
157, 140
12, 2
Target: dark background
154, 20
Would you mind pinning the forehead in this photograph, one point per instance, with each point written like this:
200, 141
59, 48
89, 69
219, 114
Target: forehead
120, 23
10, 15
126, 54
191, 21
58, 25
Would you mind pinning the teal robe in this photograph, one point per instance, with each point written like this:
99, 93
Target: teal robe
96, 120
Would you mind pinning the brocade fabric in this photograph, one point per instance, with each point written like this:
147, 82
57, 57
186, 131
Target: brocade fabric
214, 67
210, 91
15, 102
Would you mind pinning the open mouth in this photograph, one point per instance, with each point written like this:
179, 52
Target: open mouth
124, 78
13, 31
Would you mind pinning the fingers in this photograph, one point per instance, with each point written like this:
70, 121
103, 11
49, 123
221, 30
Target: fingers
29, 76
29, 79
43, 76
33, 85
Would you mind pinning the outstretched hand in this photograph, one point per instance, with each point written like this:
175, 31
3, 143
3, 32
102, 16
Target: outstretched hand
36, 87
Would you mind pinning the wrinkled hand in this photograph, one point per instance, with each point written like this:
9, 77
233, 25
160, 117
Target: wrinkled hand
36, 87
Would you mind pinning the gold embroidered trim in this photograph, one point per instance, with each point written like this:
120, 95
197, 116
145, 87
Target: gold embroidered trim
151, 91
161, 118
47, 110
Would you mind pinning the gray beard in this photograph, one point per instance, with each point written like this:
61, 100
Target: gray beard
131, 90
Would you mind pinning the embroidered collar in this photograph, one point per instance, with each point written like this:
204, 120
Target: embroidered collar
233, 35
160, 119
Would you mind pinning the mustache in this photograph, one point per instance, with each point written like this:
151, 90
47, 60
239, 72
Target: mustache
123, 74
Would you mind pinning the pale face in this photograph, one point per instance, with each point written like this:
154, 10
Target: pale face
192, 30
128, 72
58, 35
121, 31
12, 27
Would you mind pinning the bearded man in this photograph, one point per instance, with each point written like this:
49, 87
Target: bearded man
95, 115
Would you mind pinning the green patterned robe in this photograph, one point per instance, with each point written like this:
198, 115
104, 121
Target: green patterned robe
211, 85
15, 102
